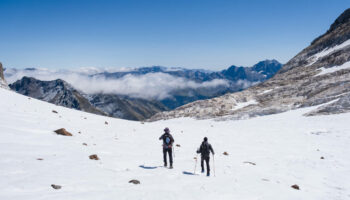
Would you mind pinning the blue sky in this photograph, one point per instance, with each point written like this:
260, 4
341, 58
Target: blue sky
176, 33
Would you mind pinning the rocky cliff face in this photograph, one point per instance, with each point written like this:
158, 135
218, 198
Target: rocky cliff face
3, 83
319, 74
125, 107
57, 92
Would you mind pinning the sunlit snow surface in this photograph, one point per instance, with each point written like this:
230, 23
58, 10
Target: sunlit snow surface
286, 149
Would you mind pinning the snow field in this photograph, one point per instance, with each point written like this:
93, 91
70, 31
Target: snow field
286, 149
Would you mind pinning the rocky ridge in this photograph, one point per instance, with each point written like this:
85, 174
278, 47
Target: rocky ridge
3, 83
57, 92
317, 75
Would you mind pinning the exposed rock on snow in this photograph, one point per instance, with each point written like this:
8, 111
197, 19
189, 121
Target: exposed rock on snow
134, 181
225, 153
63, 131
249, 163
295, 86
295, 187
56, 187
94, 157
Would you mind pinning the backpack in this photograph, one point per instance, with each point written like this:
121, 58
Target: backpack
167, 139
205, 149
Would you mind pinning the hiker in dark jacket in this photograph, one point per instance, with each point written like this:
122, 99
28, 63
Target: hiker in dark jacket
205, 150
168, 141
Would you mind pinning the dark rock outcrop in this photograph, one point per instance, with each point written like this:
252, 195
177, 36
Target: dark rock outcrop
57, 92
3, 83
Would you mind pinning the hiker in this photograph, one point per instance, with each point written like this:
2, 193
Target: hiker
205, 150
168, 141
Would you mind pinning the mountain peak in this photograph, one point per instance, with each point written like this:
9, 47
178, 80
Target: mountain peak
342, 19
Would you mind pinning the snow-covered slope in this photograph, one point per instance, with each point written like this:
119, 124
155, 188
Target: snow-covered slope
286, 149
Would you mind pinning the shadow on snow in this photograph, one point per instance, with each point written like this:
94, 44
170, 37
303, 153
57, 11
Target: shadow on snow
189, 173
148, 167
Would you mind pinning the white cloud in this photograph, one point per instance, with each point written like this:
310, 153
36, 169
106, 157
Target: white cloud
148, 86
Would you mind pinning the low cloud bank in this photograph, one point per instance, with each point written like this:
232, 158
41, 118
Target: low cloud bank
147, 86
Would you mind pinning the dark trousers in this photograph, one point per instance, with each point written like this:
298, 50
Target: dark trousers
206, 159
170, 152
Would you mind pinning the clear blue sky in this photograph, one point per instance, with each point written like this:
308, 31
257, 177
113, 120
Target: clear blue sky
179, 33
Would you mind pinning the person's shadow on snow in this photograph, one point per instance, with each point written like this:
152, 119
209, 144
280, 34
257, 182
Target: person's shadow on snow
148, 167
188, 173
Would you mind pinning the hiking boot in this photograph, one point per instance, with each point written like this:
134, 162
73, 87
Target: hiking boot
170, 167
208, 174
165, 165
202, 170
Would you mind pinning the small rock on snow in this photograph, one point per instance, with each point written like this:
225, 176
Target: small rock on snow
94, 157
225, 153
249, 163
134, 181
63, 131
56, 187
295, 187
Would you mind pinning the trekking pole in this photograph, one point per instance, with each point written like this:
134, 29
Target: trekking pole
173, 151
214, 165
195, 166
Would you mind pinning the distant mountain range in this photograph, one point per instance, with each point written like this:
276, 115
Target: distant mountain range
127, 106
257, 73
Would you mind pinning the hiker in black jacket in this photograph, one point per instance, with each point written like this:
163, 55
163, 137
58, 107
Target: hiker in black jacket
205, 150
168, 141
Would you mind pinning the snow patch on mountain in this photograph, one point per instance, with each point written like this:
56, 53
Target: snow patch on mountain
313, 59
244, 104
334, 69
